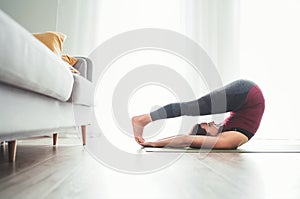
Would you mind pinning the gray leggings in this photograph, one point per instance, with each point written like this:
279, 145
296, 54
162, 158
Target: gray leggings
231, 97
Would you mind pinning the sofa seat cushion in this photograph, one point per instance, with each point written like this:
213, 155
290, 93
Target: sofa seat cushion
27, 63
83, 91
27, 114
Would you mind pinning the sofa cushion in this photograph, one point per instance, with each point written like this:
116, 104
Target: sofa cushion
25, 113
70, 60
83, 91
27, 63
54, 41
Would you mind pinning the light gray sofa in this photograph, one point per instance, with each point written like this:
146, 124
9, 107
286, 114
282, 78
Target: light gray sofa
38, 93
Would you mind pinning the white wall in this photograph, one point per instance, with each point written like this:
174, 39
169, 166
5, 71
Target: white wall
34, 15
214, 24
270, 47
78, 19
72, 17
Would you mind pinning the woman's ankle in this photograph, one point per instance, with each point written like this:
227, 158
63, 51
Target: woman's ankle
141, 120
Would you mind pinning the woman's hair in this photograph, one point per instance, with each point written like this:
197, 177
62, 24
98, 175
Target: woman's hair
198, 130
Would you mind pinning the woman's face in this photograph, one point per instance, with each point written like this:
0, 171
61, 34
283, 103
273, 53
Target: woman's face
210, 128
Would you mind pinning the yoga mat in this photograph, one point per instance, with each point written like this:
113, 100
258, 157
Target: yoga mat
253, 149
182, 150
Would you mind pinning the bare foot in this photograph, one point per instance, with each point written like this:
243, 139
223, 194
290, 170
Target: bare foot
138, 124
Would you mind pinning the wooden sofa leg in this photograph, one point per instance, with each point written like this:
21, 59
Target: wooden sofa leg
55, 136
12, 150
83, 132
2, 143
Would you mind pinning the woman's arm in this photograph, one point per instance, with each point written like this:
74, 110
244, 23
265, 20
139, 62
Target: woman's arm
225, 140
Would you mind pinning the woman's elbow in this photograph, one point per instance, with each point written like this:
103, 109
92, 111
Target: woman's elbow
226, 144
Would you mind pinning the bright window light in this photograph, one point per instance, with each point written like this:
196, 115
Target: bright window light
270, 47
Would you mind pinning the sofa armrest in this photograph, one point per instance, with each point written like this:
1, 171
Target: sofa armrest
85, 66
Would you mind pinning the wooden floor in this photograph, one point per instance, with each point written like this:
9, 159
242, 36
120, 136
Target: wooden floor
69, 171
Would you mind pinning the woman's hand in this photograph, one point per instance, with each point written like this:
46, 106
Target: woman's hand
151, 144
176, 141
